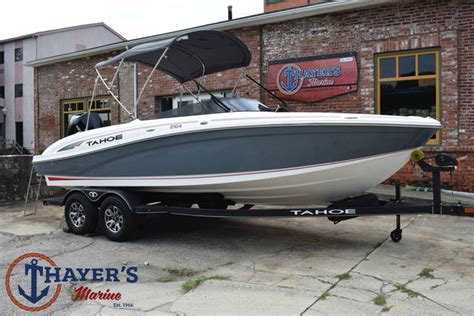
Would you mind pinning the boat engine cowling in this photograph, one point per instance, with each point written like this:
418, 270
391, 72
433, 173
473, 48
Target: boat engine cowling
78, 122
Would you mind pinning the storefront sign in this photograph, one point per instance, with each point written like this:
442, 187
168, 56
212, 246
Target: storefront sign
315, 78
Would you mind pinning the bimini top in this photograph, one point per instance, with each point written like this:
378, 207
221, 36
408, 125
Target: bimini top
191, 55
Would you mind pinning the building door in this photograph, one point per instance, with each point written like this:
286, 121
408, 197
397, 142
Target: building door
19, 133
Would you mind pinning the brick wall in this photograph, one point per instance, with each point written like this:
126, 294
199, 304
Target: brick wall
270, 6
74, 79
392, 27
465, 45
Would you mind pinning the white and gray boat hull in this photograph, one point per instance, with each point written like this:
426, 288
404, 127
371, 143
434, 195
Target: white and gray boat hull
247, 157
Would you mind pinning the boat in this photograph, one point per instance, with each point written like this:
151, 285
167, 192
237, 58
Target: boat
238, 148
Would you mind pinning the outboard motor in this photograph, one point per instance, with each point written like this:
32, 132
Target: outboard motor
78, 122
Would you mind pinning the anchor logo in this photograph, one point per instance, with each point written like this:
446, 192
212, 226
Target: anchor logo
33, 297
287, 79
34, 272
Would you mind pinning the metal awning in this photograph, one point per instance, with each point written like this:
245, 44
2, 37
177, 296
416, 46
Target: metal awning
189, 56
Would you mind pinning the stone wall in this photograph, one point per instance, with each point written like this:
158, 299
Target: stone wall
14, 176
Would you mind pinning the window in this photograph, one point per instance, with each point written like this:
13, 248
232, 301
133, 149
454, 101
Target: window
163, 104
2, 58
18, 90
168, 103
100, 105
19, 133
2, 92
408, 83
19, 54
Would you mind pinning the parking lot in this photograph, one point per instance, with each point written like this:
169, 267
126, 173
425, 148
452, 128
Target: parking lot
260, 266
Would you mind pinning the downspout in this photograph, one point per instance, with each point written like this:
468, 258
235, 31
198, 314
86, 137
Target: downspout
36, 102
119, 119
135, 88
261, 61
37, 110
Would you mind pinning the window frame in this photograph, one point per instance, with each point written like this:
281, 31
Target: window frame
202, 97
17, 95
437, 76
20, 49
85, 102
2, 59
158, 103
175, 99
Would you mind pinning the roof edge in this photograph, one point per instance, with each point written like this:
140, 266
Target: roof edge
111, 30
252, 20
63, 29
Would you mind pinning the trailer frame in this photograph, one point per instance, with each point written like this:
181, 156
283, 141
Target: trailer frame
141, 203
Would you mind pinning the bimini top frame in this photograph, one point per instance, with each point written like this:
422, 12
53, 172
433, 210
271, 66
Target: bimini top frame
191, 55
185, 58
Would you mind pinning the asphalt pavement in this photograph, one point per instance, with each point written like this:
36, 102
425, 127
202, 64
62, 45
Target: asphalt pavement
305, 266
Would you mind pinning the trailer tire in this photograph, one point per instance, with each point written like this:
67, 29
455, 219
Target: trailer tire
81, 214
116, 219
396, 235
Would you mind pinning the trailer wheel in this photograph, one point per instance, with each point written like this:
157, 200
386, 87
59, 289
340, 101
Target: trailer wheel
117, 221
80, 214
396, 235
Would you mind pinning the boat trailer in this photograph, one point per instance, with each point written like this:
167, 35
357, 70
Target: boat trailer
121, 206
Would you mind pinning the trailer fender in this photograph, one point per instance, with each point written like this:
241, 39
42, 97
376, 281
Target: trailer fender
97, 195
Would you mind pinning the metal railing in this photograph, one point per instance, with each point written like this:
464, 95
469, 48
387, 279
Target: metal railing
12, 147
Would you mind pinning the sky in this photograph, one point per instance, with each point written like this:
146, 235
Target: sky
131, 18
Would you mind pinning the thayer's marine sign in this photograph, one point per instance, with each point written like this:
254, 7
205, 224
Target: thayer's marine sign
315, 78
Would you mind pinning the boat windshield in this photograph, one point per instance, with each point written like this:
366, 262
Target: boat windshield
211, 107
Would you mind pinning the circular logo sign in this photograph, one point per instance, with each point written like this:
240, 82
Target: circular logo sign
93, 194
289, 80
30, 282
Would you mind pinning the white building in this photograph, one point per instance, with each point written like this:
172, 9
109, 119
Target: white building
17, 81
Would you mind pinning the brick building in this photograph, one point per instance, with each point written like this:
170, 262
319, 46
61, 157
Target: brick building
412, 58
